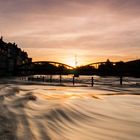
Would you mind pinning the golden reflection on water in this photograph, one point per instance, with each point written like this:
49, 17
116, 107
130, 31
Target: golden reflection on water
67, 96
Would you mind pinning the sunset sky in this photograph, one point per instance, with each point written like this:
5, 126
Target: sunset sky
57, 30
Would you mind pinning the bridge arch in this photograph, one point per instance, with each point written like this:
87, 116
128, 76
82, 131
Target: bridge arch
43, 67
96, 64
54, 63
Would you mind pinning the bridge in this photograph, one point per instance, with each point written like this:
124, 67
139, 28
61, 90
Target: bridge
53, 63
97, 64
51, 67
44, 67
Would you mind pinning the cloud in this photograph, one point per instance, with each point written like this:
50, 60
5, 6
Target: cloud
102, 27
59, 7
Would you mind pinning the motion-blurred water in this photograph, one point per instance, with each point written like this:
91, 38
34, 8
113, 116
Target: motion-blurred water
103, 112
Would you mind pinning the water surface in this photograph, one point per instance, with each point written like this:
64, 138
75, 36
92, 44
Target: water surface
68, 113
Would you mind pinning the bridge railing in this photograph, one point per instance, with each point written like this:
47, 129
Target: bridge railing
70, 80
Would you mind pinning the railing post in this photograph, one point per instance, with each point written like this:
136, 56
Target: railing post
37, 78
43, 79
121, 80
92, 81
50, 78
60, 78
73, 80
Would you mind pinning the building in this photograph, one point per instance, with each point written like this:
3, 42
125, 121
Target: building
11, 57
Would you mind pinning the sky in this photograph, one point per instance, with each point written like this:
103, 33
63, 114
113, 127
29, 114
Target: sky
59, 30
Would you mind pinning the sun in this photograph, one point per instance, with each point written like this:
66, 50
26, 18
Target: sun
70, 62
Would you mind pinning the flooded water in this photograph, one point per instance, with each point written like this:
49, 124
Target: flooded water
37, 111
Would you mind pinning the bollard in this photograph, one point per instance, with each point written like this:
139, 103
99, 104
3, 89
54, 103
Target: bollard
73, 80
121, 80
60, 78
92, 81
37, 78
43, 79
50, 78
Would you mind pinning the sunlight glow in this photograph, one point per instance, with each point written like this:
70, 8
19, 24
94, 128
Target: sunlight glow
70, 62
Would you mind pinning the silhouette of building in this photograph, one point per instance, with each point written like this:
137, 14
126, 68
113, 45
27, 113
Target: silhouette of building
11, 57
